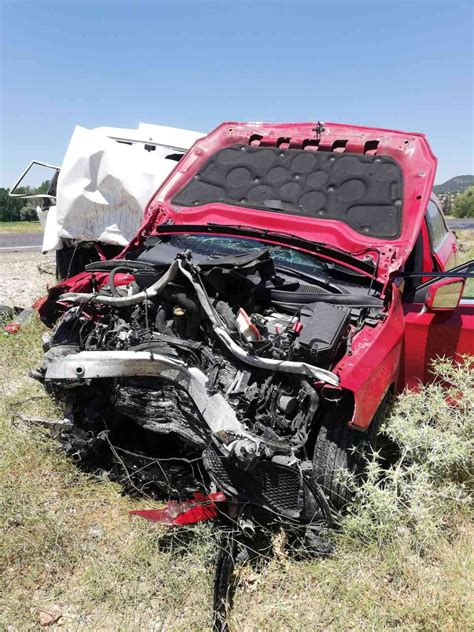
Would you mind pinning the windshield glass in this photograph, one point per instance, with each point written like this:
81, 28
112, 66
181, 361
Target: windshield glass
216, 246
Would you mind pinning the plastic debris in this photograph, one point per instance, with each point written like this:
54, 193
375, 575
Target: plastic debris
198, 509
23, 317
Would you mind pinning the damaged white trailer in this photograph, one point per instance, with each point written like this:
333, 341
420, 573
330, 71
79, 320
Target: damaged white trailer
96, 199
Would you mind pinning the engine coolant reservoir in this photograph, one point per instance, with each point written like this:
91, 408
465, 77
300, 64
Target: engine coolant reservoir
246, 327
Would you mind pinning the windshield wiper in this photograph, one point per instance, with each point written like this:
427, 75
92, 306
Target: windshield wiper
327, 281
336, 269
303, 275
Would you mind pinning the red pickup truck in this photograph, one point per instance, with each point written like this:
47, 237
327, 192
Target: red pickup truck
286, 279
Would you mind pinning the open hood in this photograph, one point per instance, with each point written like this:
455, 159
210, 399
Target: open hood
362, 190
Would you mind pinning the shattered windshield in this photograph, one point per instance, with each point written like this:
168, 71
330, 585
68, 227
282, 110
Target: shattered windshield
220, 246
284, 258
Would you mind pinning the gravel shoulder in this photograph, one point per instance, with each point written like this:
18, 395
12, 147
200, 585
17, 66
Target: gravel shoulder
24, 277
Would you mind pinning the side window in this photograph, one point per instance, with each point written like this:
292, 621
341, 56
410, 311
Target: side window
436, 226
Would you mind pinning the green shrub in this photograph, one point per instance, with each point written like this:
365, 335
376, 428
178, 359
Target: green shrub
464, 204
28, 213
430, 479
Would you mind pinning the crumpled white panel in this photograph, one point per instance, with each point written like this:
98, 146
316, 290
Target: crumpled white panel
49, 221
104, 186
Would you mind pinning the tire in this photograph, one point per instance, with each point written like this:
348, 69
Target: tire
338, 449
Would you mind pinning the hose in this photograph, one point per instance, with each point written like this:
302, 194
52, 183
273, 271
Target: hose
125, 301
113, 272
224, 582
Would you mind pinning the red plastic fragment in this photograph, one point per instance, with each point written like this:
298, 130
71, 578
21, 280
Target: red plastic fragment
197, 509
12, 328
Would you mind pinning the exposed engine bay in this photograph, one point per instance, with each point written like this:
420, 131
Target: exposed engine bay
207, 363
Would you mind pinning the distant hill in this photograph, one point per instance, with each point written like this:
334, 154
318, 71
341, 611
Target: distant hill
454, 185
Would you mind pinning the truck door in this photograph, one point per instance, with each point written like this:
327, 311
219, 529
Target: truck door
439, 321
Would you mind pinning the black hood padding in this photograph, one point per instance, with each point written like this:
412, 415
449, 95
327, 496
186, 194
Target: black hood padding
239, 283
303, 297
362, 191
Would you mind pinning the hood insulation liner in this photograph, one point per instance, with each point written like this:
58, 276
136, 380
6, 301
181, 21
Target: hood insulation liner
365, 192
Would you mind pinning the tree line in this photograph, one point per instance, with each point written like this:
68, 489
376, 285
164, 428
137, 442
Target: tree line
19, 209
13, 209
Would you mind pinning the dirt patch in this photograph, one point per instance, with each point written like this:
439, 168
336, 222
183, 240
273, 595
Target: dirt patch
24, 277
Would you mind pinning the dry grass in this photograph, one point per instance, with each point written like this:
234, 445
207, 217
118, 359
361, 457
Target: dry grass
363, 588
466, 253
68, 540
466, 245
20, 227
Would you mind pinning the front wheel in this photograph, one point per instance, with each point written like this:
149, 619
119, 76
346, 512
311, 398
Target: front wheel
338, 452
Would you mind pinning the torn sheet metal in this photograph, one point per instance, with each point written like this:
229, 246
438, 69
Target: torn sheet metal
49, 221
107, 178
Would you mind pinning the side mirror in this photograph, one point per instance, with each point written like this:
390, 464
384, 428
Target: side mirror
444, 294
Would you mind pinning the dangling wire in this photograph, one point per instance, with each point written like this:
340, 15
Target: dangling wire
71, 260
147, 326
224, 581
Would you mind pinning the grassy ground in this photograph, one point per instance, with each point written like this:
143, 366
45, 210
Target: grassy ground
69, 544
20, 227
466, 244
466, 253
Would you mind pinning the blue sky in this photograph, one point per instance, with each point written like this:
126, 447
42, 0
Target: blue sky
401, 64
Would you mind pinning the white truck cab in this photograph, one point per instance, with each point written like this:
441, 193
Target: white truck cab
96, 199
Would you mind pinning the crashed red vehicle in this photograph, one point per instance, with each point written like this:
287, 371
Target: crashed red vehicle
286, 280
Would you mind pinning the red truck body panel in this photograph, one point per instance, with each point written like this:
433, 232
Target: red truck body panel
433, 334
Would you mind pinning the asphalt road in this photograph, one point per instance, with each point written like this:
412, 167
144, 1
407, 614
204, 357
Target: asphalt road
15, 242
461, 224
